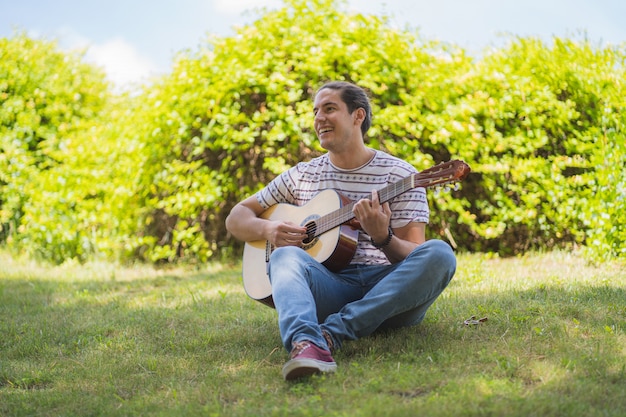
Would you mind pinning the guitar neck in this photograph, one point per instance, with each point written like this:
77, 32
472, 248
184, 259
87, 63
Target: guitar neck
443, 173
345, 214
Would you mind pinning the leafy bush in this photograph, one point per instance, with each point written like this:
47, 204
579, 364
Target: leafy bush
604, 209
239, 111
532, 121
525, 118
86, 173
48, 99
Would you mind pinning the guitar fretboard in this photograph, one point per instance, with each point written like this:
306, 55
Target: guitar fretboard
345, 214
440, 174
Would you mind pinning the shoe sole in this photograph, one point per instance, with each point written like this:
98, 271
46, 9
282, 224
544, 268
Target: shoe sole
299, 368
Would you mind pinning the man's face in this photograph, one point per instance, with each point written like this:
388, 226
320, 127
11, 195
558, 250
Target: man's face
334, 126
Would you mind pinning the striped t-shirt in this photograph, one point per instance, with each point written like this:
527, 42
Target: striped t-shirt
301, 183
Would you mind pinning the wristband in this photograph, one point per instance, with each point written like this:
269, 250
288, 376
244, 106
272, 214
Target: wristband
385, 242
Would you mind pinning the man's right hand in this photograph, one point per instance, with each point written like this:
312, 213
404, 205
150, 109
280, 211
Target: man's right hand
281, 233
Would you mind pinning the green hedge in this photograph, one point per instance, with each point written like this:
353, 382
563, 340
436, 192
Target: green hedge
537, 122
152, 176
48, 102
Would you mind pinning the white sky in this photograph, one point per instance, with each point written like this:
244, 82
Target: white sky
134, 39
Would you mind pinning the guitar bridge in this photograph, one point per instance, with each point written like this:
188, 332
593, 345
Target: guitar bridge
309, 243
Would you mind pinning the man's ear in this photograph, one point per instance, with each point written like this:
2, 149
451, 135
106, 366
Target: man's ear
359, 115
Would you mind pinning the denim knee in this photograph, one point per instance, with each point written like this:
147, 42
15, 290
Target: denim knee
287, 258
437, 257
285, 253
438, 251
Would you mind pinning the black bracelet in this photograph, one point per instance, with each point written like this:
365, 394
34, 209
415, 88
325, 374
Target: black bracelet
385, 243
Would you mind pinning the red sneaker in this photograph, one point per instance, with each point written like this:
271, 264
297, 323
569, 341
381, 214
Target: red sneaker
308, 359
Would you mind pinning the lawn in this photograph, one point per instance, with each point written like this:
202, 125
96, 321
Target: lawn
104, 340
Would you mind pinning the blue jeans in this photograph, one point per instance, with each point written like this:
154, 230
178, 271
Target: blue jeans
357, 300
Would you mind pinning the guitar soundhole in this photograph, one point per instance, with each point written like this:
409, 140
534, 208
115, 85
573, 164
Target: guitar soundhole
311, 239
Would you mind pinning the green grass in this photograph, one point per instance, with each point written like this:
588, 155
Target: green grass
96, 340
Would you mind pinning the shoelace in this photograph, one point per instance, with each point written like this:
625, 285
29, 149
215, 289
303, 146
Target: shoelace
298, 348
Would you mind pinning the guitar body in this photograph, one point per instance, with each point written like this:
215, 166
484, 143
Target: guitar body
334, 248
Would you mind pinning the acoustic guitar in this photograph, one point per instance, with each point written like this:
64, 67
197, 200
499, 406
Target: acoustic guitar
329, 221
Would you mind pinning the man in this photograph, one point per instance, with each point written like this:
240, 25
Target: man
395, 274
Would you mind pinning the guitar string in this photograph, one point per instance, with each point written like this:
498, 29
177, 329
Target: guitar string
344, 214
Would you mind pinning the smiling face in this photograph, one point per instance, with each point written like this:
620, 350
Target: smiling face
337, 129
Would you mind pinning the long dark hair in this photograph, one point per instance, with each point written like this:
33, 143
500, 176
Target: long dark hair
354, 97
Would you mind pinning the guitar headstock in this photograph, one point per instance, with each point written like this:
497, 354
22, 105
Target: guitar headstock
443, 173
